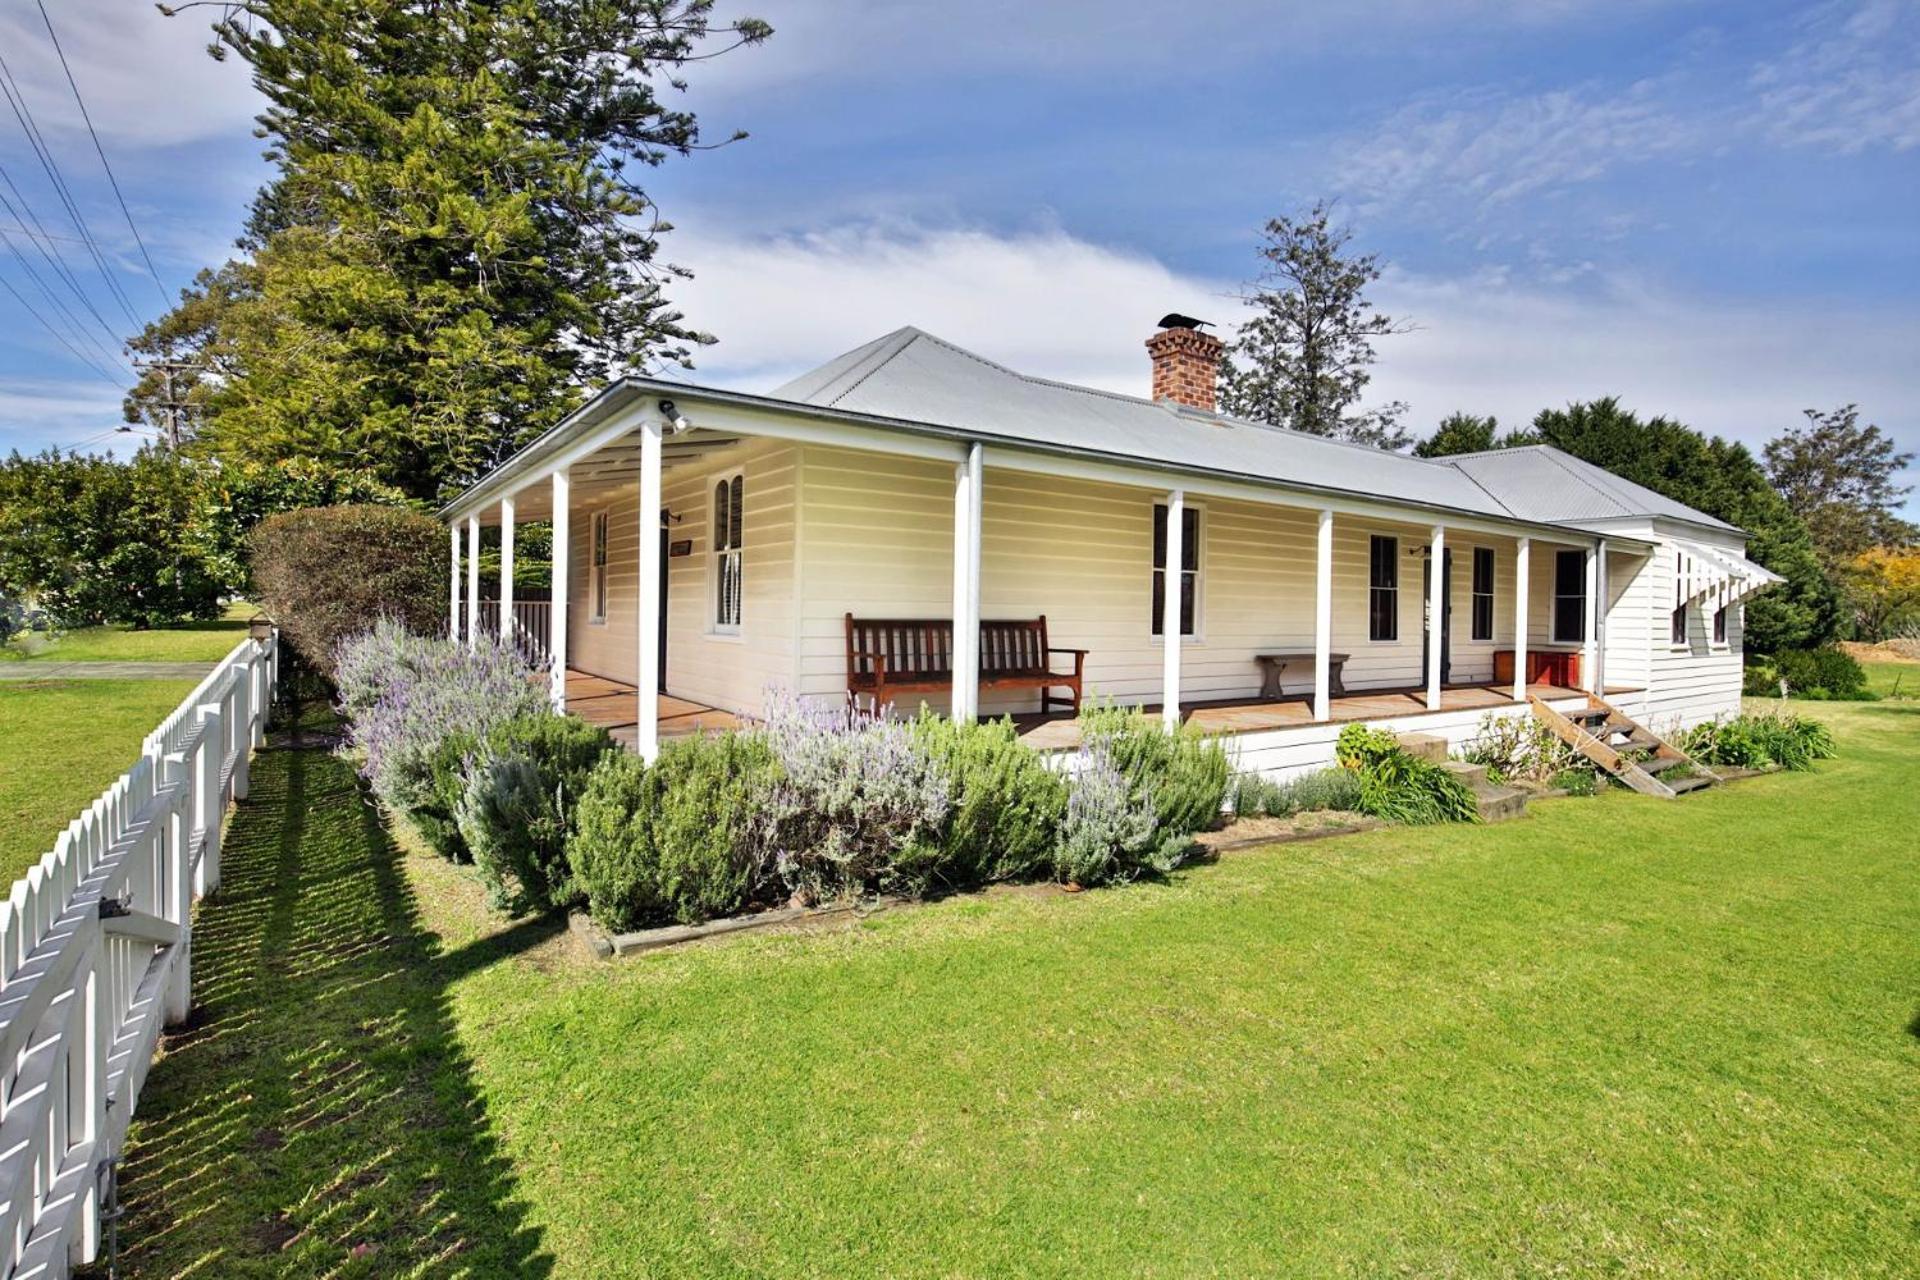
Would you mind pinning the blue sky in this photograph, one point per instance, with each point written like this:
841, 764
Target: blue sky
1709, 209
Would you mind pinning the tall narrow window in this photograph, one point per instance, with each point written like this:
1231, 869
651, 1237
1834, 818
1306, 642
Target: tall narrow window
1189, 568
597, 586
1483, 593
1570, 597
1677, 622
1383, 589
727, 495
1720, 625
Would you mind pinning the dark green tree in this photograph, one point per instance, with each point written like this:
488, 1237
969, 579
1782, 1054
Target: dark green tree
1460, 433
1725, 481
1841, 478
1305, 358
455, 246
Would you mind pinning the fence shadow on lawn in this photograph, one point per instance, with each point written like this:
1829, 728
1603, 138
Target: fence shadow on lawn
318, 1115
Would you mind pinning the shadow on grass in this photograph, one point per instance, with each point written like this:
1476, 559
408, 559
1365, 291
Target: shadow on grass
318, 1116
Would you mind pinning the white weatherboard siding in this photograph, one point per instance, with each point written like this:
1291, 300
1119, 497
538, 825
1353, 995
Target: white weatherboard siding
878, 542
1699, 680
727, 671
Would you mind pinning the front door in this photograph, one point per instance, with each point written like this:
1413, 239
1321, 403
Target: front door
666, 551
1446, 616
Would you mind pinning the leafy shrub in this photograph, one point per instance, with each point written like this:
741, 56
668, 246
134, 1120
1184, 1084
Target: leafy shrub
1255, 795
1576, 782
1758, 740
516, 810
686, 840
1110, 833
1825, 673
1520, 748
1183, 773
236, 496
856, 798
323, 571
1005, 810
406, 697
1399, 787
1759, 679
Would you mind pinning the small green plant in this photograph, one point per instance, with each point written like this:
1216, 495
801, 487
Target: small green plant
1184, 773
1005, 814
1255, 795
1519, 749
1398, 787
516, 812
1759, 740
686, 840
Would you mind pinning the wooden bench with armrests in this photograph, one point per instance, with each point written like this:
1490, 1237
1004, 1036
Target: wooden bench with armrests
889, 656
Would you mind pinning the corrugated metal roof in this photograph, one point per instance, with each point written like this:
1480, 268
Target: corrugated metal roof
914, 375
1539, 482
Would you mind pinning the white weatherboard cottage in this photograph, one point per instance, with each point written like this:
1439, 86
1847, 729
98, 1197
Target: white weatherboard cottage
710, 545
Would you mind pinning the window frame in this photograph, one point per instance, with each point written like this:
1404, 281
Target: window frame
1391, 590
1679, 625
719, 552
1194, 548
599, 524
1554, 634
1476, 595
1720, 626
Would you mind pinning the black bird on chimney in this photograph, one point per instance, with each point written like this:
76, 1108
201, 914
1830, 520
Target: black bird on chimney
1174, 320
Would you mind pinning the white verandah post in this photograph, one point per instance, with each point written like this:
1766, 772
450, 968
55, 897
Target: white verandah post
453, 581
1323, 619
506, 570
1598, 683
1590, 629
1436, 612
473, 581
967, 508
1522, 580
557, 611
647, 693
1173, 579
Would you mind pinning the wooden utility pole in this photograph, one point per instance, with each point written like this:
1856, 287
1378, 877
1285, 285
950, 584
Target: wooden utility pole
175, 408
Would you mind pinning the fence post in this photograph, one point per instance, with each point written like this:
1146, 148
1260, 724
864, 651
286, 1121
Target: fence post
242, 734
209, 806
177, 908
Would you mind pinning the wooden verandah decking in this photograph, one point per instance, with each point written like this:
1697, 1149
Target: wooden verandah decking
611, 703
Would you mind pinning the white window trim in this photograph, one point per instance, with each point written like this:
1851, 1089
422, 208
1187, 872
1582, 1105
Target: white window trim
733, 631
1553, 598
1473, 550
1199, 634
596, 570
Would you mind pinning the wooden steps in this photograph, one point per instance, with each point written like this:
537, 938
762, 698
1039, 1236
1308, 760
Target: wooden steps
1624, 748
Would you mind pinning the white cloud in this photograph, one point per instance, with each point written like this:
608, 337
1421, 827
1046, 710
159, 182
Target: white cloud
1046, 303
37, 412
147, 78
1852, 83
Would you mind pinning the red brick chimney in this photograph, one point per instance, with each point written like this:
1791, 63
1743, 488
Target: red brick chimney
1185, 362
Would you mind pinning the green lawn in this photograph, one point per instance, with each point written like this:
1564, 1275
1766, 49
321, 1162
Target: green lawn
1623, 1037
1893, 679
182, 642
61, 743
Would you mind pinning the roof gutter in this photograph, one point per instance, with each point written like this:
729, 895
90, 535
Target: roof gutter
601, 409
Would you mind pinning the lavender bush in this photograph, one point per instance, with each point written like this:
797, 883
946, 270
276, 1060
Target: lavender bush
1110, 834
405, 695
856, 796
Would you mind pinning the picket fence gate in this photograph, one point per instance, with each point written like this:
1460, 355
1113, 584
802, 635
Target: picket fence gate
95, 946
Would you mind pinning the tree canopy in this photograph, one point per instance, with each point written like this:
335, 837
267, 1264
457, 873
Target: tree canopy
1460, 433
1305, 358
455, 246
1840, 477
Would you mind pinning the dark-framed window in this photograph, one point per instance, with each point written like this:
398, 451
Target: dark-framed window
728, 494
597, 560
1677, 620
1570, 597
1383, 589
1720, 625
1483, 593
1189, 568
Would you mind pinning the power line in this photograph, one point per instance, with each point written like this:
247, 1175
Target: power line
10, 87
111, 180
75, 326
21, 298
41, 238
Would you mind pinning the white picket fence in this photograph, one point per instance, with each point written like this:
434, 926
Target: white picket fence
95, 943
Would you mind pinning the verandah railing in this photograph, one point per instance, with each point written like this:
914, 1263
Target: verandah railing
532, 629
95, 943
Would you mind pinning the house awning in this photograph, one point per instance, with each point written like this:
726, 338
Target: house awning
1718, 574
